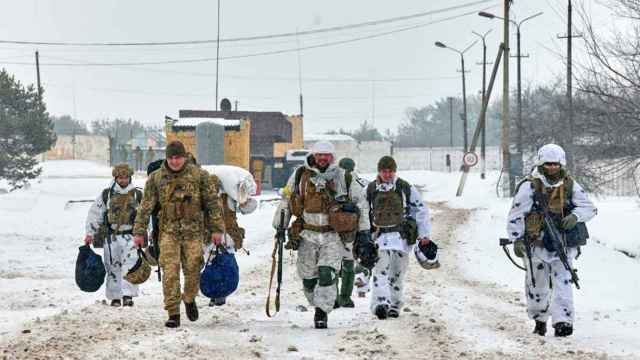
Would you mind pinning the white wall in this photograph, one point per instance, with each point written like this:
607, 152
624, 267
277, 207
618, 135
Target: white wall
85, 147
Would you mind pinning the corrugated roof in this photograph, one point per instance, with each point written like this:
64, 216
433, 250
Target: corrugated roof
193, 122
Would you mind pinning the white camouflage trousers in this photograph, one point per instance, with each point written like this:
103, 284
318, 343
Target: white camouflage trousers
315, 250
123, 258
553, 293
388, 279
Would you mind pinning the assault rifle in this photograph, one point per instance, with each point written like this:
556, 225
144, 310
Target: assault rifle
558, 242
276, 263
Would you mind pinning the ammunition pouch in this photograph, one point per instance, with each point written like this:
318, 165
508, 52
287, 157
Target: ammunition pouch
344, 217
409, 230
296, 205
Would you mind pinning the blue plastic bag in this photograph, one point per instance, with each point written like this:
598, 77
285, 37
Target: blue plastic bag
221, 274
90, 271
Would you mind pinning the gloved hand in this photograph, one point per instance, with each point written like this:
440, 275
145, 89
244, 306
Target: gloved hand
569, 222
519, 248
88, 240
365, 250
138, 240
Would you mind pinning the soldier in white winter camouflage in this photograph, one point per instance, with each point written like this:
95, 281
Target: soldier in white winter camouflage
316, 195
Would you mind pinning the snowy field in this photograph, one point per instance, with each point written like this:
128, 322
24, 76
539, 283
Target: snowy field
472, 307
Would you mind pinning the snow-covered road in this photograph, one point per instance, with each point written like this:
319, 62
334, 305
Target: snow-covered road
472, 307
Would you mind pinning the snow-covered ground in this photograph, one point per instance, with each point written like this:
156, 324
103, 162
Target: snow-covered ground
471, 307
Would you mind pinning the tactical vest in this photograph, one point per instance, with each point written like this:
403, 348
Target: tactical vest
121, 208
388, 208
305, 198
559, 205
180, 200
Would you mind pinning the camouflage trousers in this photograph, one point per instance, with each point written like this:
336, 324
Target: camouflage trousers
553, 294
174, 254
120, 255
388, 279
318, 250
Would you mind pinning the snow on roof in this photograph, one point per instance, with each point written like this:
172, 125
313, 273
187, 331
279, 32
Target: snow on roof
195, 121
328, 137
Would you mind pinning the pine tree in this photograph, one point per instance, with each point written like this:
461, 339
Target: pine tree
25, 131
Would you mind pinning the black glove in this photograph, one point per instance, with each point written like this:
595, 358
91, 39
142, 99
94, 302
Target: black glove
365, 251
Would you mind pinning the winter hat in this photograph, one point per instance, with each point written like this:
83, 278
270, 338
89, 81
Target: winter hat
121, 170
175, 148
347, 164
551, 153
387, 163
323, 147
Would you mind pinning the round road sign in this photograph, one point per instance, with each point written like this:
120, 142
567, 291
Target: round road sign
470, 159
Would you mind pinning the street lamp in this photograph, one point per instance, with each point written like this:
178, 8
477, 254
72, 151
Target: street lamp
484, 86
519, 56
464, 86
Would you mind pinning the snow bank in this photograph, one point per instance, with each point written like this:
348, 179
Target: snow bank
74, 169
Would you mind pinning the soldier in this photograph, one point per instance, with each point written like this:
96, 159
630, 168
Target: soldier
115, 210
151, 156
548, 289
311, 194
182, 191
356, 190
137, 154
234, 187
399, 219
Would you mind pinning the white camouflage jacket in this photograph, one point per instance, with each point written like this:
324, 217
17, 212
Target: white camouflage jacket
95, 217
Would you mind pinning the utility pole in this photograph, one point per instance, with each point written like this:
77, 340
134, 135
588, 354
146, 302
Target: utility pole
300, 76
38, 77
464, 87
217, 55
464, 105
509, 182
484, 99
450, 121
569, 36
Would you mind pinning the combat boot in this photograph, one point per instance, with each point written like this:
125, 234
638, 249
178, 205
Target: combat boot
563, 329
320, 319
393, 313
192, 310
541, 328
173, 322
116, 303
381, 311
127, 301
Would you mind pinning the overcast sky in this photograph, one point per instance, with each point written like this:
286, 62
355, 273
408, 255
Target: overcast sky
410, 70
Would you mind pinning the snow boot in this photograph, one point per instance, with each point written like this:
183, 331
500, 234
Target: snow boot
116, 303
173, 322
563, 329
219, 301
382, 311
127, 301
336, 305
541, 328
320, 319
192, 310
393, 313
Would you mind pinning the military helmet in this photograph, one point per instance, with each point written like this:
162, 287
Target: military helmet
347, 164
427, 255
551, 153
121, 170
151, 255
141, 271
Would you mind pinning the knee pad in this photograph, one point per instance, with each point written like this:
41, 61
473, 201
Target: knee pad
348, 267
327, 275
309, 284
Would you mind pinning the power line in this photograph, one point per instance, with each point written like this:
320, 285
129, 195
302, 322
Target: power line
264, 53
251, 38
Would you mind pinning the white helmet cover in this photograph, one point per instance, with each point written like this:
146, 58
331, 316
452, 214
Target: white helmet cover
323, 147
551, 153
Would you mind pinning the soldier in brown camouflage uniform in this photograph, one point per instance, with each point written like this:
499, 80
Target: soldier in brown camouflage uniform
182, 190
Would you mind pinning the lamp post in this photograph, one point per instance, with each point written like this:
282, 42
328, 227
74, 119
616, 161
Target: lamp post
484, 87
464, 86
519, 67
